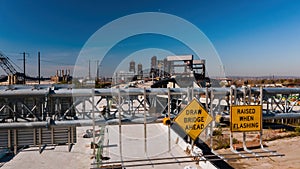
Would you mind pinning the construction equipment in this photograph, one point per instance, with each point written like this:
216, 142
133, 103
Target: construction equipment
14, 77
6, 65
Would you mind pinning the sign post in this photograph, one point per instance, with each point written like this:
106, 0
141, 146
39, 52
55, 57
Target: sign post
193, 119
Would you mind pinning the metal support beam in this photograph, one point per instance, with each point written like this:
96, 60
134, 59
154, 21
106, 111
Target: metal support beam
15, 142
145, 124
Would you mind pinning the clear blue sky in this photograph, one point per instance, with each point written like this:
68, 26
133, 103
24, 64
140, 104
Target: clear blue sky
252, 38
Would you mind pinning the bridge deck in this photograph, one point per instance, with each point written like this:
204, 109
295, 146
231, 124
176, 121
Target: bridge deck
134, 147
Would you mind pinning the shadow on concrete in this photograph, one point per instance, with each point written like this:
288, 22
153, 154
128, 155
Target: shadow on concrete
278, 126
8, 156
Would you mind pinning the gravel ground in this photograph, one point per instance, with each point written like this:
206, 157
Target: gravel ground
287, 146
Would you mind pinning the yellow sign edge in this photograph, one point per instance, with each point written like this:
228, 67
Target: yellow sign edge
202, 108
260, 126
189, 104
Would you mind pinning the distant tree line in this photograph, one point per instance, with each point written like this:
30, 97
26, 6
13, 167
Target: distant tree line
255, 82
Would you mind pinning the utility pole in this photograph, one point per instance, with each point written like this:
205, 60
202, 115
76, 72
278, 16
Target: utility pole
89, 69
97, 62
39, 67
24, 66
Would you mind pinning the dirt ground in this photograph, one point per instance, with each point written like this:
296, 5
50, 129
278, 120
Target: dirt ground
289, 147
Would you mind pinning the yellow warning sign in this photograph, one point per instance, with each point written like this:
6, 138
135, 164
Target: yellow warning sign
245, 118
193, 119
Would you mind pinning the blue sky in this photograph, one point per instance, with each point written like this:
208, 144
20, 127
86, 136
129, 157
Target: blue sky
252, 38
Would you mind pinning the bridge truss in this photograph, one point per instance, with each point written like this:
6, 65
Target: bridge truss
60, 108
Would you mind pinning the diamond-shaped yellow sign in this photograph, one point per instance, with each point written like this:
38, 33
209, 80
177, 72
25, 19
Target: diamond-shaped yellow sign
193, 119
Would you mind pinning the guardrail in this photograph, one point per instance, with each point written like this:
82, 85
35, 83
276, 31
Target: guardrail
40, 103
54, 106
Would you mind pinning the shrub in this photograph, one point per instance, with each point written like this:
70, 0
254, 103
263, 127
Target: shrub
217, 132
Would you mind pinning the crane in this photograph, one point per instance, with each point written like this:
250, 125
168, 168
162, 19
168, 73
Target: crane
6, 65
9, 69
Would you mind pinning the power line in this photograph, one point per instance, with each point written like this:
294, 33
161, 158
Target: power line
61, 63
14, 64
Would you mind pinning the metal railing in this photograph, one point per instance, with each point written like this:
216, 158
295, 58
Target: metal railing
53, 106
